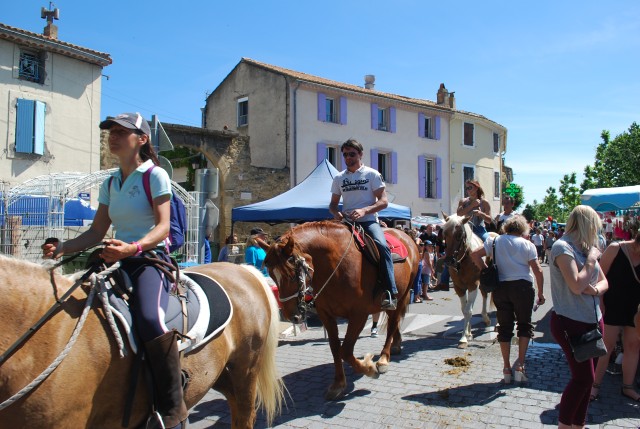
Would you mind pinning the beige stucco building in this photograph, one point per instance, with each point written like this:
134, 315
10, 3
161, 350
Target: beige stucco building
295, 120
49, 105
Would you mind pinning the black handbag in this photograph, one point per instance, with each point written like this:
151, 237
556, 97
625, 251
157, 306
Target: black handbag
489, 276
588, 345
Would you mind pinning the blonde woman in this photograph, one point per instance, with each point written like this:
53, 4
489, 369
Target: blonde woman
576, 285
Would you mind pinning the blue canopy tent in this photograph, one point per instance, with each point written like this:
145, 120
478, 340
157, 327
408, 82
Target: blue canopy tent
612, 199
36, 210
307, 201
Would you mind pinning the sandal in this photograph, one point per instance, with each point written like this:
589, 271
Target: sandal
519, 375
428, 298
596, 395
629, 387
417, 300
506, 375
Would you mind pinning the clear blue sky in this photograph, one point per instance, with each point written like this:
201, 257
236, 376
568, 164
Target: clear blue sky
555, 73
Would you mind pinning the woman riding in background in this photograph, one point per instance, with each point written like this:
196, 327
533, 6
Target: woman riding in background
141, 230
477, 207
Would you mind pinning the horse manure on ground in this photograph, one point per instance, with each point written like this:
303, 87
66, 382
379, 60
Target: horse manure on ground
459, 364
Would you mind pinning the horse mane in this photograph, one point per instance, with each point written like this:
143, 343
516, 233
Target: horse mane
472, 241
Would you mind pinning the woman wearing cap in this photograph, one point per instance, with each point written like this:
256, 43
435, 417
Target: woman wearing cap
254, 254
477, 207
140, 229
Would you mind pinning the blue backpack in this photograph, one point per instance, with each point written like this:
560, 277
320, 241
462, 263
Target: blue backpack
178, 216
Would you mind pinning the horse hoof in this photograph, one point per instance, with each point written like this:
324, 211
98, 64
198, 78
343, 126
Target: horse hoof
382, 368
462, 345
396, 350
333, 394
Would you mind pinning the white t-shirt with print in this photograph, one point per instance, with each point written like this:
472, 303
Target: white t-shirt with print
357, 189
513, 255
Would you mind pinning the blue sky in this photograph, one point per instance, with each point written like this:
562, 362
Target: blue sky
555, 73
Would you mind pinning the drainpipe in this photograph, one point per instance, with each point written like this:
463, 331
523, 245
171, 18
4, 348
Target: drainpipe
294, 170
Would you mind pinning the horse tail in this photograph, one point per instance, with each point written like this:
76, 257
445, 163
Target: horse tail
270, 386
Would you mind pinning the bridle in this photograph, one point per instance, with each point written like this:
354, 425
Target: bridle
302, 272
462, 246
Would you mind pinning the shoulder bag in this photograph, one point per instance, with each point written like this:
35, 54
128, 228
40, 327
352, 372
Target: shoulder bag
489, 276
588, 345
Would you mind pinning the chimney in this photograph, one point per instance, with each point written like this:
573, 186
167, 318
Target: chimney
440, 96
452, 100
51, 30
369, 81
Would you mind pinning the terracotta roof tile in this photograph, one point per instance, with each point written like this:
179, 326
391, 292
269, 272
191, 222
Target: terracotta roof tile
40, 41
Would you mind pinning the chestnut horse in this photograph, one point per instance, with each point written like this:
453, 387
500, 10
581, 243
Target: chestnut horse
460, 242
89, 388
343, 285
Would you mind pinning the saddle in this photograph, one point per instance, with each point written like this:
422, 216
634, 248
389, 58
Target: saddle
208, 309
368, 247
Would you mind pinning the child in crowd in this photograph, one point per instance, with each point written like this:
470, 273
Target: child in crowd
428, 268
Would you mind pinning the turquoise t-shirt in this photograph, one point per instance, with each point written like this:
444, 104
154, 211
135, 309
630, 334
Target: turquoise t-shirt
129, 209
255, 256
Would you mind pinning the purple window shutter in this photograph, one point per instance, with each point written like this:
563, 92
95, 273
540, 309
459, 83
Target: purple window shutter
420, 124
374, 116
438, 178
437, 127
344, 165
374, 159
343, 110
322, 107
392, 119
421, 177
321, 152
394, 167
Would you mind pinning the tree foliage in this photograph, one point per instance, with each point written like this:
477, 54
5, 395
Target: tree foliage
616, 161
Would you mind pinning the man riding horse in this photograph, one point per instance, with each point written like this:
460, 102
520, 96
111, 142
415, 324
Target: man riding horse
363, 195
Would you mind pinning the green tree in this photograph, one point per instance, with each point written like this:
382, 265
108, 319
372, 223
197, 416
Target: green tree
569, 194
530, 211
550, 206
616, 161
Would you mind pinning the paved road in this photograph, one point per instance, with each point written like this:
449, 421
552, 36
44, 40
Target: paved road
421, 390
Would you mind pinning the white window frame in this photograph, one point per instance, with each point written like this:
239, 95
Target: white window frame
430, 179
428, 127
473, 135
240, 121
333, 155
332, 109
383, 125
385, 170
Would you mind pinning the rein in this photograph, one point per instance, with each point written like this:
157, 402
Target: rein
303, 271
463, 243
98, 286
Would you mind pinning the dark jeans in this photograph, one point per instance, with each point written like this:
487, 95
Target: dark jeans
150, 296
514, 303
480, 231
386, 264
417, 283
575, 398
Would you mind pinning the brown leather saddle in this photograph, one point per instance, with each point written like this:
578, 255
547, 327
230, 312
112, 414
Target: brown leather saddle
367, 246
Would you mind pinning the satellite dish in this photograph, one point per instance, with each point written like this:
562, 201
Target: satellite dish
166, 165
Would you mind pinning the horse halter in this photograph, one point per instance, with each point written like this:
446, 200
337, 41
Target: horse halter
461, 245
302, 272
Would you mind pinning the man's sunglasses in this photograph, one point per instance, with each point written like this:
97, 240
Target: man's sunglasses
349, 154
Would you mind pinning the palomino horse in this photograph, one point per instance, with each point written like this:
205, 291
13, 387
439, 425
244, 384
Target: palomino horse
461, 241
89, 388
343, 284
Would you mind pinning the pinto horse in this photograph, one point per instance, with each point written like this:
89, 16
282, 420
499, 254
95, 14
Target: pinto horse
460, 242
343, 285
89, 388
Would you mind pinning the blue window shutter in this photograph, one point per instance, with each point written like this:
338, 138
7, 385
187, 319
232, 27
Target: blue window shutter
321, 152
38, 140
422, 178
437, 127
438, 178
344, 165
421, 125
392, 119
343, 110
374, 159
322, 107
374, 116
25, 116
394, 167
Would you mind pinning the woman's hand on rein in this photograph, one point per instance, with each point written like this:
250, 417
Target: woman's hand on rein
51, 249
114, 250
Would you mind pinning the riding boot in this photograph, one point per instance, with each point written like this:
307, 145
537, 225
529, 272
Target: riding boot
164, 360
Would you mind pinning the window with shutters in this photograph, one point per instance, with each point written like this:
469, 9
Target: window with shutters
332, 110
428, 127
243, 111
468, 173
384, 166
430, 178
333, 156
496, 184
496, 143
469, 131
31, 67
383, 119
30, 117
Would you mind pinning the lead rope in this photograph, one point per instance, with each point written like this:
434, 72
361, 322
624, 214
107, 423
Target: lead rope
353, 232
76, 332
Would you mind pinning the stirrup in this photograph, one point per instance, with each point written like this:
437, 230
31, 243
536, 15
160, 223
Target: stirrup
389, 303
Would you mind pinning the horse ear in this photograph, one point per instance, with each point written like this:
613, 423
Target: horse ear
446, 216
287, 249
466, 219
